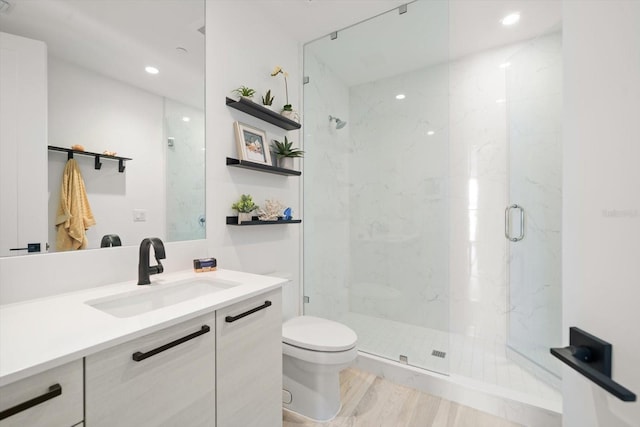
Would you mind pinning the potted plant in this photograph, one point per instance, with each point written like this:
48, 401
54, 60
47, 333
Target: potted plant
245, 92
287, 109
267, 100
290, 114
244, 206
285, 153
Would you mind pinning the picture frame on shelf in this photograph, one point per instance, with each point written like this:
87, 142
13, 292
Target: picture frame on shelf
252, 144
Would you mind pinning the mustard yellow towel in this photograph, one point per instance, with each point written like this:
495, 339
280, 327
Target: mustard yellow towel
74, 214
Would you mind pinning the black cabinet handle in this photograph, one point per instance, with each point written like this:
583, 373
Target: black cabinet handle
54, 390
591, 356
231, 319
138, 355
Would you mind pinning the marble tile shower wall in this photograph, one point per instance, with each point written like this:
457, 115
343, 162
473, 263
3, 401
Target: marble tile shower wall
398, 194
326, 184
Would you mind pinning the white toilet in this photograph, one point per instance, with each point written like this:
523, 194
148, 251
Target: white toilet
315, 350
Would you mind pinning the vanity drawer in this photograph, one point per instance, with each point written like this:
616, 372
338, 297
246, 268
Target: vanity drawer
249, 362
166, 378
50, 399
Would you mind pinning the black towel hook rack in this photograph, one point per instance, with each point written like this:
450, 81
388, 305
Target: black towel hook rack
97, 156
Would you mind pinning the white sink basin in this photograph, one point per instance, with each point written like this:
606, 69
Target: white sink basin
155, 297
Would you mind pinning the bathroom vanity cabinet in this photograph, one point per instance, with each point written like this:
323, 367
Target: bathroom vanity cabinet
218, 364
52, 398
174, 386
239, 356
249, 362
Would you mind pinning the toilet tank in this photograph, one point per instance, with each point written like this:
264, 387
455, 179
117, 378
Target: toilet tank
290, 295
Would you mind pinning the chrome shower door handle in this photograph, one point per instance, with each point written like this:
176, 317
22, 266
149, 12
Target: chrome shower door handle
507, 223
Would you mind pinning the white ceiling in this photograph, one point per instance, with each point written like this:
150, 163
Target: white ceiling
431, 32
306, 20
118, 38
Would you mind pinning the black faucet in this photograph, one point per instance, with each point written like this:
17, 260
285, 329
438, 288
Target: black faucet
144, 269
110, 240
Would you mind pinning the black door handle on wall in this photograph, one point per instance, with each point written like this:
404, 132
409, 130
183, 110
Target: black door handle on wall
591, 356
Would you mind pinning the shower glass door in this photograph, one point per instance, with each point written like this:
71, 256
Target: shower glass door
376, 189
534, 97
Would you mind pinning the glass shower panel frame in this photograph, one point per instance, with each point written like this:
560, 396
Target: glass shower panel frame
376, 206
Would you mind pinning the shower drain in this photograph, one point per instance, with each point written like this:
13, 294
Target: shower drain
438, 353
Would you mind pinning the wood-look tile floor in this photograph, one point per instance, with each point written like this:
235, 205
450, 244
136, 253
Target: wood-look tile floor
370, 401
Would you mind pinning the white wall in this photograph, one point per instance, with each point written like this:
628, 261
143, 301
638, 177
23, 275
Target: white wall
84, 108
232, 60
601, 220
245, 54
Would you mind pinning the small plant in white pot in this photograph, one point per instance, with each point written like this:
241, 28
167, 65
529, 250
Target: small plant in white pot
267, 100
285, 152
289, 113
245, 92
287, 109
244, 207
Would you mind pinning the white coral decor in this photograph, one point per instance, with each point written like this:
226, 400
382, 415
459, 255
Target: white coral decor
271, 210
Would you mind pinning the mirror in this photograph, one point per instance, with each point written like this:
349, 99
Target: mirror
99, 95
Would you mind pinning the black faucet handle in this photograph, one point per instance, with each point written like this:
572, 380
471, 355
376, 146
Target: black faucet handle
156, 269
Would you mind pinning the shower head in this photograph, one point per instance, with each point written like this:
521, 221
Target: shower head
339, 123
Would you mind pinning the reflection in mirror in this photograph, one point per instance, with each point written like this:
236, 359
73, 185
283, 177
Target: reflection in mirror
98, 95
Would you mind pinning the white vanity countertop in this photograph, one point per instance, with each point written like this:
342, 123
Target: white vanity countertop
44, 333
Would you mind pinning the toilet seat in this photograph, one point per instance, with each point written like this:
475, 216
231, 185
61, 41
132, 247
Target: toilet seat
316, 334
320, 358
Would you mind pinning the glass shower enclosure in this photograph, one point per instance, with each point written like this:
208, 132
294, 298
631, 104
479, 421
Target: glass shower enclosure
375, 205
411, 156
535, 195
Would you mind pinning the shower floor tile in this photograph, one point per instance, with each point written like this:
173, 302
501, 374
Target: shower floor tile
480, 360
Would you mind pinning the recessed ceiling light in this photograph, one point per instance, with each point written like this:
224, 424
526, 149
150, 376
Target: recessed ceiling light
430, 133
504, 64
186, 119
151, 70
510, 19
400, 96
500, 101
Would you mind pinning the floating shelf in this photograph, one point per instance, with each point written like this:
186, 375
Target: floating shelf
257, 110
261, 167
97, 156
233, 220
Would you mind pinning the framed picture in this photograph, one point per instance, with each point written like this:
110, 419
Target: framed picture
252, 144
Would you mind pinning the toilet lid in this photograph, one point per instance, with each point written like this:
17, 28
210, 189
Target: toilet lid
314, 333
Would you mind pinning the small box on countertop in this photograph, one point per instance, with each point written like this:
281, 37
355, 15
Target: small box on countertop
204, 264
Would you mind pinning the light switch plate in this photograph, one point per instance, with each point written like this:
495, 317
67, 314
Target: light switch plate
139, 215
